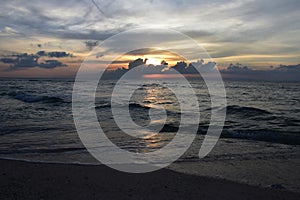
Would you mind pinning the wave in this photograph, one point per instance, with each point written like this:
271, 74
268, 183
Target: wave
234, 109
131, 106
30, 98
136, 105
264, 135
36, 160
103, 106
233, 130
169, 128
257, 135
245, 111
151, 85
57, 150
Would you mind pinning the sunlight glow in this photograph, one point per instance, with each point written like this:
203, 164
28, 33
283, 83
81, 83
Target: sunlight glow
154, 61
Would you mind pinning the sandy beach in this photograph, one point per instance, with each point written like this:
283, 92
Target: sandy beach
24, 180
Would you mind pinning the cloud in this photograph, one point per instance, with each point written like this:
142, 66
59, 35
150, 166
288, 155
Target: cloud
281, 73
50, 64
232, 72
56, 54
250, 27
24, 60
237, 68
8, 60
82, 19
289, 68
91, 44
8, 31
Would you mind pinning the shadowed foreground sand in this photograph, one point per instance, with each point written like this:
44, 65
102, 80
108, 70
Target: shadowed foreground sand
22, 180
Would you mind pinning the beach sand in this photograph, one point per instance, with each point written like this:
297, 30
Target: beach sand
24, 180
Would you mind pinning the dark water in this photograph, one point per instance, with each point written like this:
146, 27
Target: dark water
36, 116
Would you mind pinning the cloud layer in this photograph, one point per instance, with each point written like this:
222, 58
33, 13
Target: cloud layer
256, 33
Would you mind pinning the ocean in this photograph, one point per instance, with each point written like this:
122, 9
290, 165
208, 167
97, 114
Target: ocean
262, 121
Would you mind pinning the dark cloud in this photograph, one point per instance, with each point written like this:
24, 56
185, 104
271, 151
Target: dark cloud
281, 73
7, 60
91, 44
24, 60
56, 54
237, 68
50, 64
289, 68
181, 67
232, 72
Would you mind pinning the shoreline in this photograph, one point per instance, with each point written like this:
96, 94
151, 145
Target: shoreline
259, 164
36, 180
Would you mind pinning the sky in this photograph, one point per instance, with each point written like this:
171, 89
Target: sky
52, 38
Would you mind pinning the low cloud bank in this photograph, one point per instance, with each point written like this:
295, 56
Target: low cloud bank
280, 73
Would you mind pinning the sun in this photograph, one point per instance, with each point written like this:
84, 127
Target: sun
153, 61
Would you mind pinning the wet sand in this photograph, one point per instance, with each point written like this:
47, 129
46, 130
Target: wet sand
24, 180
255, 163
